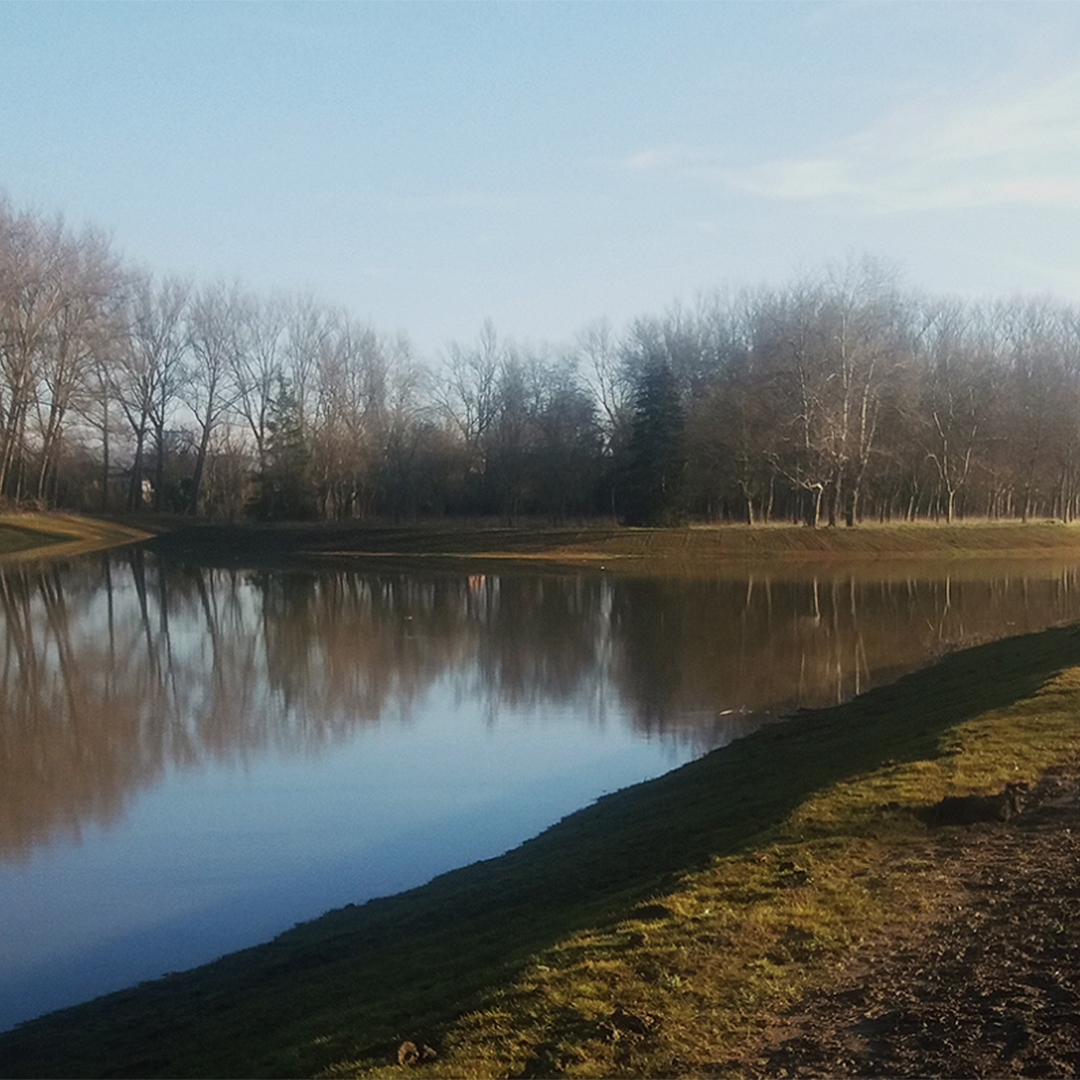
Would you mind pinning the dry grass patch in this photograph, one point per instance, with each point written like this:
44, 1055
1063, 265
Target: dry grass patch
35, 535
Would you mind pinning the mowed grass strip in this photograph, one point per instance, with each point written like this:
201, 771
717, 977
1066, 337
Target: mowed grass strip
640, 936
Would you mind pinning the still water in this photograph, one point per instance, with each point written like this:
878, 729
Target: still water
191, 760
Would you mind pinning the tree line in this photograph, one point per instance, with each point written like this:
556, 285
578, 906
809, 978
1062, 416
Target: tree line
838, 397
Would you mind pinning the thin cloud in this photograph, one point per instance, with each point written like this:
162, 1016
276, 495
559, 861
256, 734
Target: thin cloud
464, 201
1021, 148
658, 157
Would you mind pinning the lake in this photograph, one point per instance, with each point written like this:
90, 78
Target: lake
194, 759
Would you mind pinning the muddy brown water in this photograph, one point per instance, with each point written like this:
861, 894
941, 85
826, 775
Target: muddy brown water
193, 759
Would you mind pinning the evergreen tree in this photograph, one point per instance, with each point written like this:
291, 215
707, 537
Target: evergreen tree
653, 477
284, 488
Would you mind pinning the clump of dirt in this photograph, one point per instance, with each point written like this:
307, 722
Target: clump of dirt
990, 987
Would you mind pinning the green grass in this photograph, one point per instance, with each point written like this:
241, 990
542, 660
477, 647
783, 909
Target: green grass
639, 936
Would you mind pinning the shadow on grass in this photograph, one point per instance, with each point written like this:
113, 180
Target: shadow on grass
358, 980
18, 538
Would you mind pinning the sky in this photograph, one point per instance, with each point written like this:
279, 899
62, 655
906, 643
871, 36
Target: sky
546, 165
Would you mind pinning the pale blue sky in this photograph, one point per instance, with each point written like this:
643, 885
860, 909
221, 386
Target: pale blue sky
546, 164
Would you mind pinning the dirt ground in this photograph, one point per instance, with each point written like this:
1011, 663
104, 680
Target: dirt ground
988, 987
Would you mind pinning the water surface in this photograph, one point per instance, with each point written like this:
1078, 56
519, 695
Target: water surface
191, 760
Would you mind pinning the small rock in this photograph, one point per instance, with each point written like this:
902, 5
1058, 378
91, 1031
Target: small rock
410, 1054
631, 1022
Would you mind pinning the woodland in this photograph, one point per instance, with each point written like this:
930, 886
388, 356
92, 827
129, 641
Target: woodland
839, 397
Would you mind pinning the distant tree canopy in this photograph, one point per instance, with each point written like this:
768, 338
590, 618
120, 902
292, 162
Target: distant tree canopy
832, 399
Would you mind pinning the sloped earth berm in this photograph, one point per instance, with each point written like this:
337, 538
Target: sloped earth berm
990, 988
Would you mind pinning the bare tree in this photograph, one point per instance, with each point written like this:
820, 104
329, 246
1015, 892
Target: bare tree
214, 321
599, 358
405, 430
257, 365
86, 339
150, 372
348, 436
953, 406
468, 392
31, 258
310, 328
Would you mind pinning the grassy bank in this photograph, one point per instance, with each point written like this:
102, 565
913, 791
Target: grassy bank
34, 534
694, 547
640, 936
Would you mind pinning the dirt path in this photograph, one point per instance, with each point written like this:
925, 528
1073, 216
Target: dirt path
989, 988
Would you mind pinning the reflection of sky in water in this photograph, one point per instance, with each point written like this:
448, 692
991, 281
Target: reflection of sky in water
214, 859
192, 760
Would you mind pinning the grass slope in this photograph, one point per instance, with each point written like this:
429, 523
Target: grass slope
637, 936
32, 535
15, 538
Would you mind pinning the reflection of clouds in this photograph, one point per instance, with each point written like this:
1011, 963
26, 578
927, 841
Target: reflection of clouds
115, 668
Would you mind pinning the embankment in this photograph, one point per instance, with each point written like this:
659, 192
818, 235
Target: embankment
34, 535
644, 935
660, 549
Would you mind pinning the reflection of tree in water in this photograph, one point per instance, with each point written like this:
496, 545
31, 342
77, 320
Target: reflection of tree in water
79, 706
117, 667
337, 647
649, 635
538, 639
711, 659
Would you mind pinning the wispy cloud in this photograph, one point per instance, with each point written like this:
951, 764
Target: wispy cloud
459, 201
996, 148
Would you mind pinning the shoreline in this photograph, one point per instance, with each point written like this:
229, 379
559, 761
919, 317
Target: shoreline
699, 547
34, 536
725, 888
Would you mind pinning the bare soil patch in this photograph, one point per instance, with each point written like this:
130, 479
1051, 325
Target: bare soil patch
988, 986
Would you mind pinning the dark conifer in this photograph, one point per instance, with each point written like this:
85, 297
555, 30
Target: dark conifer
653, 479
284, 490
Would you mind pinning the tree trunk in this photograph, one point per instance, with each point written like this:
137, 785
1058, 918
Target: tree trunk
105, 468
